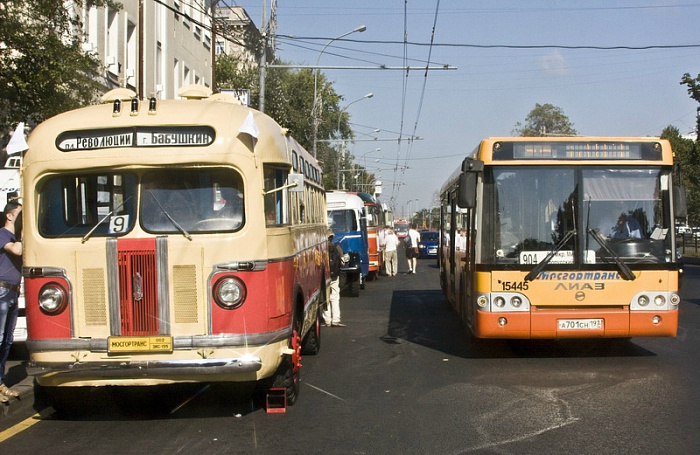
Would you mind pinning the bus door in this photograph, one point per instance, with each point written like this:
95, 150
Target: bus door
453, 250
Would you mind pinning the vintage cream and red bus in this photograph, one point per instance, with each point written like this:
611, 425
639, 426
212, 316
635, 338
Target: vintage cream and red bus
171, 241
562, 237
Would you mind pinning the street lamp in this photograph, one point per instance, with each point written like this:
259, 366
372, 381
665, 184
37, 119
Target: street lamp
314, 108
340, 113
408, 206
342, 145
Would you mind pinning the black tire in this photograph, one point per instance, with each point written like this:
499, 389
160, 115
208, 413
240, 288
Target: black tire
288, 373
288, 379
354, 285
312, 341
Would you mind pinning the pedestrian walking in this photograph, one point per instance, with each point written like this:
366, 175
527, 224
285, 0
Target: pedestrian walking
391, 244
10, 276
412, 239
331, 313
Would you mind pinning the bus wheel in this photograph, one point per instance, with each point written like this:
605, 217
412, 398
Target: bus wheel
312, 341
287, 375
354, 285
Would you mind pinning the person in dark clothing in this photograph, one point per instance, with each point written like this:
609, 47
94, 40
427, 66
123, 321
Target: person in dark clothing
10, 277
331, 314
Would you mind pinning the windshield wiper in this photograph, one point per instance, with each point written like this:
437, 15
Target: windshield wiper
543, 263
625, 271
86, 237
172, 220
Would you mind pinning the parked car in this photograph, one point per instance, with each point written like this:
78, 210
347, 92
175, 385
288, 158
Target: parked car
428, 245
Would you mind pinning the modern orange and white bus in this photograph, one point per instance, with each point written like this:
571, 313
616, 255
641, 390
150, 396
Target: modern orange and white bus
562, 237
171, 241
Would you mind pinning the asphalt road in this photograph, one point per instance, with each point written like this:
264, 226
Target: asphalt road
403, 378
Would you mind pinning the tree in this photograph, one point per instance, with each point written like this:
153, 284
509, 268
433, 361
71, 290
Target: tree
43, 68
694, 92
289, 98
686, 156
545, 120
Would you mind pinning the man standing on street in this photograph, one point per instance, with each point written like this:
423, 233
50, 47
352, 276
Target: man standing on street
391, 243
10, 276
331, 313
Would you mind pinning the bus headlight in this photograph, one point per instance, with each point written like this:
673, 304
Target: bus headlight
229, 293
516, 301
675, 299
482, 301
643, 300
52, 298
499, 301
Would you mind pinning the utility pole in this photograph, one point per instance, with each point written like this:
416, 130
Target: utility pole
268, 33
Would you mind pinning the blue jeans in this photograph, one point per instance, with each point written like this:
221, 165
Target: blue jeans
8, 319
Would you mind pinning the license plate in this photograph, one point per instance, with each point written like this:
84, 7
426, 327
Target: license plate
157, 343
580, 324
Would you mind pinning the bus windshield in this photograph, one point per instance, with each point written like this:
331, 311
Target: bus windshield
343, 220
196, 200
617, 213
172, 200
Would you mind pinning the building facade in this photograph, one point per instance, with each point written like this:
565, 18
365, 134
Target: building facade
151, 47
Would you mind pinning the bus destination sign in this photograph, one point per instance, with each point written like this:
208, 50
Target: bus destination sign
577, 151
187, 136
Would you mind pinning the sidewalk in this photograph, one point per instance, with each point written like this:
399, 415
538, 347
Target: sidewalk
17, 379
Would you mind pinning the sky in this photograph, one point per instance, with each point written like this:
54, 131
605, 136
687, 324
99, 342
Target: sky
505, 56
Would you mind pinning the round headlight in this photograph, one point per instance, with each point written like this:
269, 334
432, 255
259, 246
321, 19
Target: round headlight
52, 298
516, 301
229, 293
482, 301
643, 300
659, 300
499, 301
675, 299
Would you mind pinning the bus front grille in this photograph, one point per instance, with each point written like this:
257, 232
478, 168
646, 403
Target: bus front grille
138, 291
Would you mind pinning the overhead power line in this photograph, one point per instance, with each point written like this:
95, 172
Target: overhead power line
507, 46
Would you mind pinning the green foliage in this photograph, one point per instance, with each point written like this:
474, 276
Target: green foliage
694, 92
545, 120
289, 99
43, 69
686, 155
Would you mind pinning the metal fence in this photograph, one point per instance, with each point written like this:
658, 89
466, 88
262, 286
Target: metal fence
689, 244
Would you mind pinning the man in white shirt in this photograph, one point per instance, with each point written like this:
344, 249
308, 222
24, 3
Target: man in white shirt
412, 239
391, 244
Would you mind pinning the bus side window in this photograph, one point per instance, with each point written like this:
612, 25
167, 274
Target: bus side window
275, 202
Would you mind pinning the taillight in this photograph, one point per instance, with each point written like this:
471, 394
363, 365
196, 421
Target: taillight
229, 293
53, 298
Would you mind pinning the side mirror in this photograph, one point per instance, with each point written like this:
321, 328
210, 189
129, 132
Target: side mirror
295, 183
466, 192
679, 204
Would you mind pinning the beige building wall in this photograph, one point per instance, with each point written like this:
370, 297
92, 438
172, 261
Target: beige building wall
176, 48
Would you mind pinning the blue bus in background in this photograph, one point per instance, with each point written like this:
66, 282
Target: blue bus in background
346, 217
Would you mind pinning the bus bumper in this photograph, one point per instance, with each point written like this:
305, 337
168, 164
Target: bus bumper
544, 323
97, 367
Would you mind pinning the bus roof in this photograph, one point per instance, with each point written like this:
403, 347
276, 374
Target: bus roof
573, 149
343, 200
225, 126
568, 150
